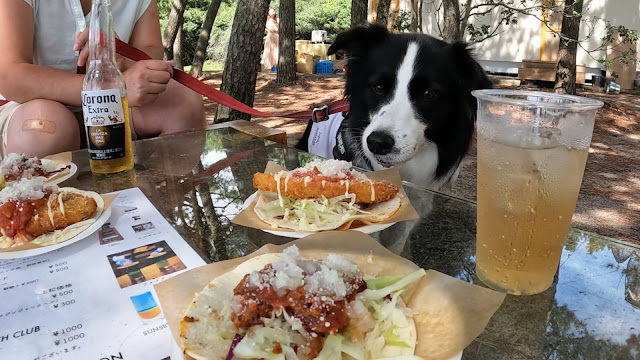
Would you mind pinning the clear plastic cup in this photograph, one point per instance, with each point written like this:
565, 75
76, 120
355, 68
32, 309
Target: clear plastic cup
532, 150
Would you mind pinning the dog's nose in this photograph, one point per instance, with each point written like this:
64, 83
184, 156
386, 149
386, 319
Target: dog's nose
380, 143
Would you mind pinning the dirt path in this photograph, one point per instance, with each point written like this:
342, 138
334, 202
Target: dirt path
609, 202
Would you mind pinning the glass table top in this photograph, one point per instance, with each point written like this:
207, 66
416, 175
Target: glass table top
199, 181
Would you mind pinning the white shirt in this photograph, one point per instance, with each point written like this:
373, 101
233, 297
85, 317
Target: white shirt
56, 23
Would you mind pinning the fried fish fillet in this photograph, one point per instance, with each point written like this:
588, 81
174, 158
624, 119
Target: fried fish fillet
76, 208
367, 192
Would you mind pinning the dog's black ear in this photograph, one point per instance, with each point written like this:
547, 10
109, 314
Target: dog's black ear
356, 42
470, 71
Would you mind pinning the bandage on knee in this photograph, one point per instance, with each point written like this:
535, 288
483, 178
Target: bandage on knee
39, 125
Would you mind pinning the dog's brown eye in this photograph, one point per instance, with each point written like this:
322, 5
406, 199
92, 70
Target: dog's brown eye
430, 95
378, 89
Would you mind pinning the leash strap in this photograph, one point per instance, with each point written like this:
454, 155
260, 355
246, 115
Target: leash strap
221, 98
317, 114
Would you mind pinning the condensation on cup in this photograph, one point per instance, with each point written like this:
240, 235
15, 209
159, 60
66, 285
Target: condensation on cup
532, 151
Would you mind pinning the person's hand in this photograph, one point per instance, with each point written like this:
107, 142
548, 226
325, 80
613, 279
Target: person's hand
146, 80
82, 39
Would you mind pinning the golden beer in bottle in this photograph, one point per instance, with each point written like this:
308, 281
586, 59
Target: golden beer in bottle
104, 98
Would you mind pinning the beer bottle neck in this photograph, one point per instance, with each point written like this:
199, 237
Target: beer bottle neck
102, 46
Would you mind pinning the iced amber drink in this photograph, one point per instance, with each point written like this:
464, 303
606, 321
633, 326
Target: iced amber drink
532, 150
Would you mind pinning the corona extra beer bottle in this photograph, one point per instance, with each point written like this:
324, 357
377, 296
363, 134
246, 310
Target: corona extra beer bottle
104, 98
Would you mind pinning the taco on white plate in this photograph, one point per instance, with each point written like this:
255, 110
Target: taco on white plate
32, 212
19, 166
283, 307
323, 195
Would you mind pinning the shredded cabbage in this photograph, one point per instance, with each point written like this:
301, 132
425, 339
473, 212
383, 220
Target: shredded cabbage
259, 343
391, 319
393, 339
376, 294
332, 348
312, 214
356, 351
382, 282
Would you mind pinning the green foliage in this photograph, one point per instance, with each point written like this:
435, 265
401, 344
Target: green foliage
402, 22
334, 16
194, 16
628, 37
221, 32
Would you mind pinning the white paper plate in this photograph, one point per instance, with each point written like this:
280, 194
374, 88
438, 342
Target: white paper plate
50, 165
45, 249
176, 352
367, 229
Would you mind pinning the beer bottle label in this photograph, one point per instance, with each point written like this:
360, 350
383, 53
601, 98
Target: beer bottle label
104, 120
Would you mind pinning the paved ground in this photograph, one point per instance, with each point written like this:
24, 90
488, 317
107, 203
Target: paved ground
609, 202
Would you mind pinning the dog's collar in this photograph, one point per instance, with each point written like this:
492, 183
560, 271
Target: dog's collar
342, 150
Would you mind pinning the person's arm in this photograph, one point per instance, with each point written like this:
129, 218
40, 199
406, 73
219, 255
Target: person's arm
20, 80
145, 79
272, 26
146, 34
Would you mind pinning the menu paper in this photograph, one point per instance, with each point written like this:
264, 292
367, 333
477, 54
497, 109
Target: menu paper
94, 299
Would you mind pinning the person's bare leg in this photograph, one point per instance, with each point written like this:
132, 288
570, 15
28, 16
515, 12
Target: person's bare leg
41, 128
175, 110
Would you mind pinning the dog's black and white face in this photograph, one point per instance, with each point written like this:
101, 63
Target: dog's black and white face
411, 103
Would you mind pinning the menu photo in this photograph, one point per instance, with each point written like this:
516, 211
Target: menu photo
144, 263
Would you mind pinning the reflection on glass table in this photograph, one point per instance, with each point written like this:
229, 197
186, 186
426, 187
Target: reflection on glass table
199, 181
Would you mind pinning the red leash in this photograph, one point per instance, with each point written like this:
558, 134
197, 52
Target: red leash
317, 114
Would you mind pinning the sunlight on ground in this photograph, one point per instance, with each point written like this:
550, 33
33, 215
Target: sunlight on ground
208, 66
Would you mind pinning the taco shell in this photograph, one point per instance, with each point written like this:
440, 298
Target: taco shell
375, 213
206, 329
62, 235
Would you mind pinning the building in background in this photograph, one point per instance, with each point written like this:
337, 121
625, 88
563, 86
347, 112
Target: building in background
531, 39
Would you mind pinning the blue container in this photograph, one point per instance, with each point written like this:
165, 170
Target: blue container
324, 67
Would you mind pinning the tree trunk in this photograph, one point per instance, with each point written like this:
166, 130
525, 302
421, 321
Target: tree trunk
465, 18
287, 42
359, 9
420, 6
382, 12
177, 50
174, 22
203, 41
414, 16
451, 21
243, 57
566, 67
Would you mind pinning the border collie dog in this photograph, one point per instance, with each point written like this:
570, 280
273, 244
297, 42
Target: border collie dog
410, 106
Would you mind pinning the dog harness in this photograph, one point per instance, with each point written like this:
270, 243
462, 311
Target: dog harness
327, 138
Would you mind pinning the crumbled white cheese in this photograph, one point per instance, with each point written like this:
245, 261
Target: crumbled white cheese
332, 168
328, 279
19, 164
290, 254
341, 264
25, 189
326, 282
